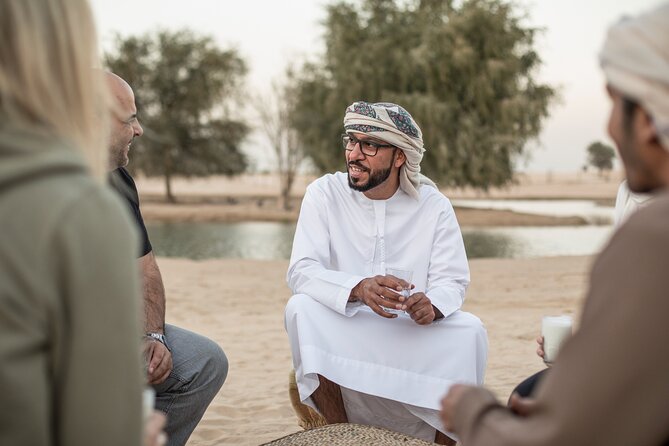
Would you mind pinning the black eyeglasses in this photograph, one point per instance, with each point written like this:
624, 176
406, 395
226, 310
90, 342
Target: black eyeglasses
368, 148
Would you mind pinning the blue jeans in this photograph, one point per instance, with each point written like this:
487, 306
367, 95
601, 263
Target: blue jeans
199, 370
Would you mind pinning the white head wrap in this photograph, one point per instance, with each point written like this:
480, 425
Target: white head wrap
635, 60
392, 124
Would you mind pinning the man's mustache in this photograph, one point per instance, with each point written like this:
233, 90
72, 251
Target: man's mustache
358, 165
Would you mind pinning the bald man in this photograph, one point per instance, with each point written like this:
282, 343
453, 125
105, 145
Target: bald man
185, 369
609, 385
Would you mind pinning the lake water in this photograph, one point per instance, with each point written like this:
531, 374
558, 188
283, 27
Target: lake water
244, 240
590, 210
270, 240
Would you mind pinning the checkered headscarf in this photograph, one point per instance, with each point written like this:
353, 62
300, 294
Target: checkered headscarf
394, 125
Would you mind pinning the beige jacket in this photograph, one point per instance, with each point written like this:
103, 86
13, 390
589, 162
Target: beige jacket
70, 371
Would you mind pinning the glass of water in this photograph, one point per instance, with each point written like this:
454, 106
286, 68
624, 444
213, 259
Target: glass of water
405, 275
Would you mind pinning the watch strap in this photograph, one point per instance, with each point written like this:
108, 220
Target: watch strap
159, 337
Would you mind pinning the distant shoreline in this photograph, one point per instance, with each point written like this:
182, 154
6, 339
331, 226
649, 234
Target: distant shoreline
254, 198
230, 209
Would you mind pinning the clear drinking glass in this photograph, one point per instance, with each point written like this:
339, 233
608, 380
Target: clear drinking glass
405, 275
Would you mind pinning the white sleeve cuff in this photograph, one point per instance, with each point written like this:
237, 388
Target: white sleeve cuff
341, 303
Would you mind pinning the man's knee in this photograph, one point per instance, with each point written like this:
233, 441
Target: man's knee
198, 358
300, 304
216, 364
473, 324
297, 303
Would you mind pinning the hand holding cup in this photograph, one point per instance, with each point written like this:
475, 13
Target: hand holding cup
404, 276
555, 330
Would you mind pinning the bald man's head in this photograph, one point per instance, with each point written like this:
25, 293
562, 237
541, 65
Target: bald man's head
124, 123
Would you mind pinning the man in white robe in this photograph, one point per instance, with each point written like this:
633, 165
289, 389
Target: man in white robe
363, 352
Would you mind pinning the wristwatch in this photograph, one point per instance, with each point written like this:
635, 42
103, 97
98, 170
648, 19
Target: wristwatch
160, 338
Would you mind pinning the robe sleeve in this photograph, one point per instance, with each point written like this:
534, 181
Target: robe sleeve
448, 273
310, 262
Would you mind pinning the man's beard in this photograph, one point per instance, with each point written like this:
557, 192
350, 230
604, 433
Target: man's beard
117, 159
118, 154
374, 179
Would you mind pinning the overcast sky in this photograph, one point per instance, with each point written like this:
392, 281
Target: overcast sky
272, 33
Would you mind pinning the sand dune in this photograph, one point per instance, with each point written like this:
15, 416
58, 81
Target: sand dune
239, 304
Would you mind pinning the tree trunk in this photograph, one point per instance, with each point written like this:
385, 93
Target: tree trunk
284, 193
168, 181
168, 189
290, 178
286, 180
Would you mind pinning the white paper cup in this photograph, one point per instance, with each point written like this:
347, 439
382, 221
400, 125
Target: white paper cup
148, 402
555, 330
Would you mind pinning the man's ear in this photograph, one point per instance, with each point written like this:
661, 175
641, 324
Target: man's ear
400, 159
647, 138
645, 128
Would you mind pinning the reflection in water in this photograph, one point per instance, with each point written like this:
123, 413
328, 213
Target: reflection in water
482, 243
247, 240
524, 242
270, 240
590, 210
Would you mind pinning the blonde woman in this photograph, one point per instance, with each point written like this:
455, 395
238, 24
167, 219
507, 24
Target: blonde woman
70, 371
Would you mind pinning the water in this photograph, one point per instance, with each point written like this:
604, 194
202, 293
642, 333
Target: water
590, 210
246, 240
271, 240
528, 242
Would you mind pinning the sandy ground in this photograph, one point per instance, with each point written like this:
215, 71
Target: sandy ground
253, 197
239, 304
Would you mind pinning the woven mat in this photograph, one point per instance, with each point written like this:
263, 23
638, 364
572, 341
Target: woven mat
347, 434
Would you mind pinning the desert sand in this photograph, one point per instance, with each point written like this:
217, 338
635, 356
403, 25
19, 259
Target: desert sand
239, 304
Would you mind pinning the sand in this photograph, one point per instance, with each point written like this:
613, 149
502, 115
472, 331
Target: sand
239, 304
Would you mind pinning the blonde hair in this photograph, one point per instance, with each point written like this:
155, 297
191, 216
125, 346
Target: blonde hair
48, 84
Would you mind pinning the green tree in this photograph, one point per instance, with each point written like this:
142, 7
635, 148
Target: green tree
466, 74
600, 156
185, 87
